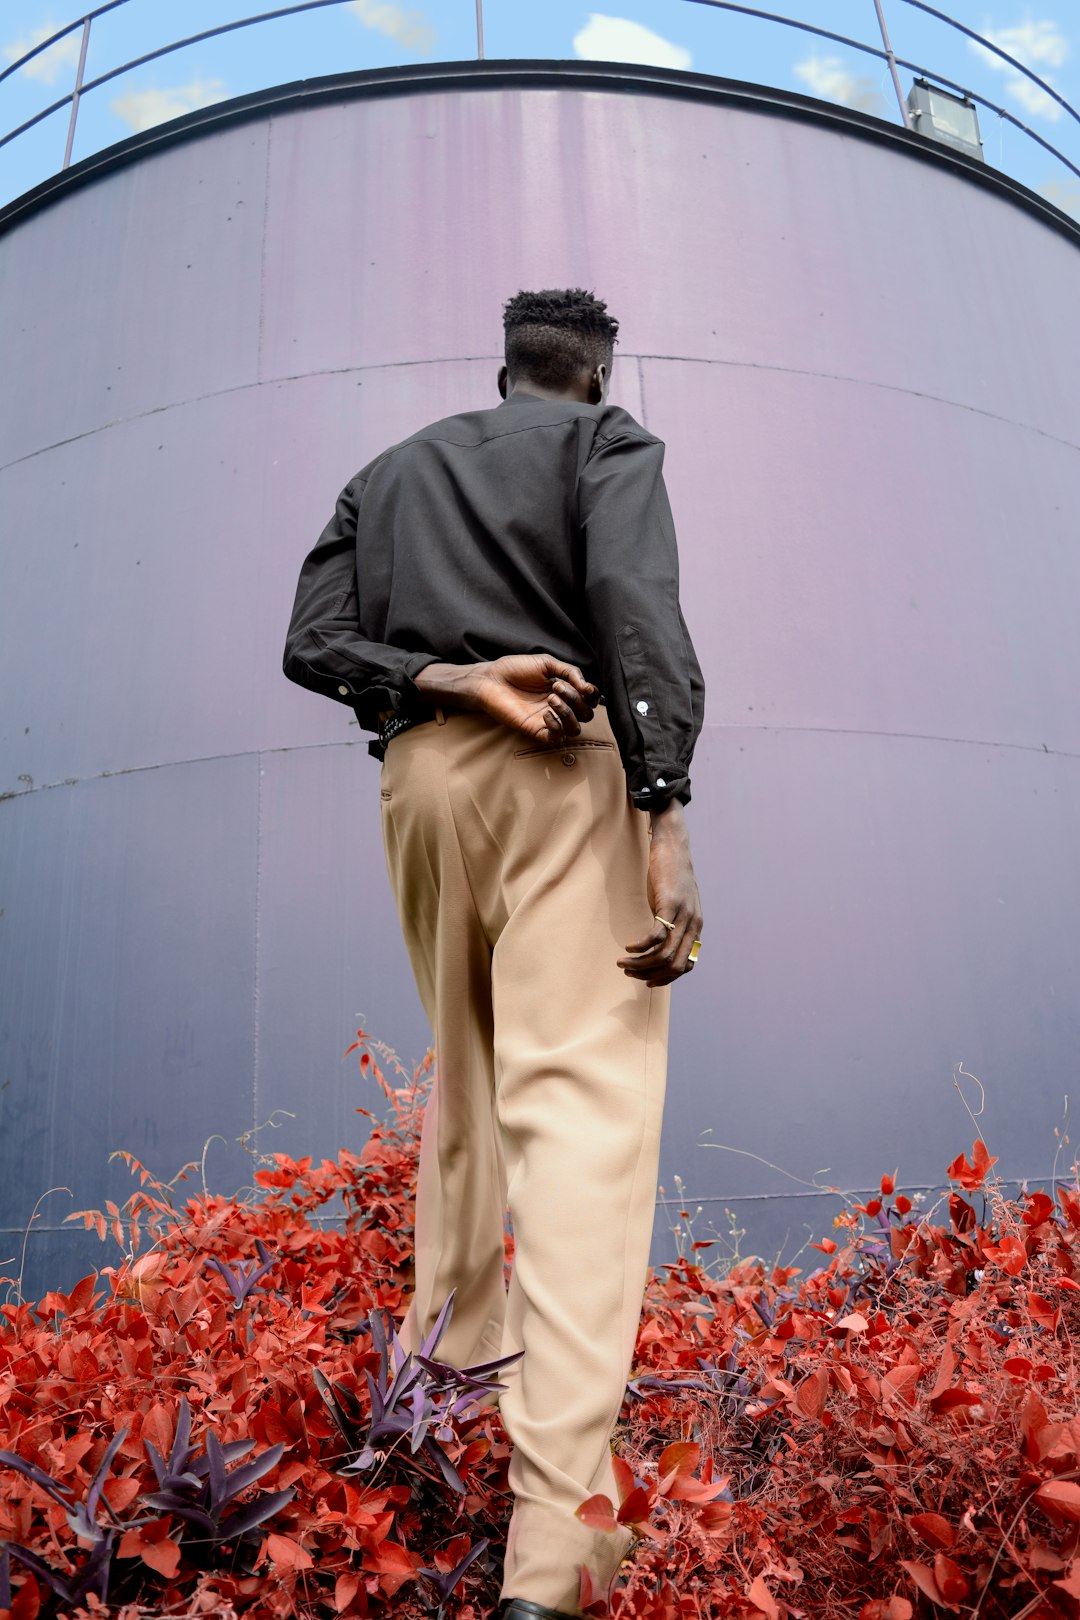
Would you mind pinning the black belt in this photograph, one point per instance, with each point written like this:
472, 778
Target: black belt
392, 727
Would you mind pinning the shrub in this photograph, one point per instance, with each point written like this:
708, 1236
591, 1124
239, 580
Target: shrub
894, 1434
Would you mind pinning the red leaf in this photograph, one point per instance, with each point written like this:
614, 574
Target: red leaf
624, 1476
923, 1576
164, 1556
1043, 1312
762, 1598
715, 1517
1038, 1210
894, 1608
827, 1246
635, 1507
597, 1512
151, 1543
933, 1528
285, 1553
688, 1489
971, 1175
1010, 1254
393, 1564
946, 1369
682, 1457
950, 1399
812, 1392
888, 1186
81, 1295
345, 1589
27, 1601
592, 1599
952, 1581
1060, 1498
900, 1382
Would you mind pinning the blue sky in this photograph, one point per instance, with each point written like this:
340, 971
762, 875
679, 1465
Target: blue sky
676, 33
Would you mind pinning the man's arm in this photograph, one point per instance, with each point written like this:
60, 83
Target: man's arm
649, 673
324, 650
651, 678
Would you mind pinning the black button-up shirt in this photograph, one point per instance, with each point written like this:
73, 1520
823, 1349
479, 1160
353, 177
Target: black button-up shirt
536, 526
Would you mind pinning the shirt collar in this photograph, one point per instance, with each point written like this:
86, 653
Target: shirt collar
521, 396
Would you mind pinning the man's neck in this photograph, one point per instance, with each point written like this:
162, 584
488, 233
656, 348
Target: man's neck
534, 391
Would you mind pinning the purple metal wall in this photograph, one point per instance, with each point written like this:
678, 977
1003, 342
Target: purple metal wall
863, 363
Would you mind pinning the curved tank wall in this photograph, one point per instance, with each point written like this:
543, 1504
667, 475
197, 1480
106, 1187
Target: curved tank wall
861, 354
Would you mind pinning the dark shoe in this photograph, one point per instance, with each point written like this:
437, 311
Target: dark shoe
525, 1609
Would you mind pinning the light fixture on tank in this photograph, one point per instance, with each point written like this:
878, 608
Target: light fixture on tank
942, 116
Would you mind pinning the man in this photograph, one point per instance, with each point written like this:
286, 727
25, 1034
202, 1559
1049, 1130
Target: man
497, 597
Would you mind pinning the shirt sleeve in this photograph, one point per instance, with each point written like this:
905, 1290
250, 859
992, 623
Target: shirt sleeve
650, 675
324, 649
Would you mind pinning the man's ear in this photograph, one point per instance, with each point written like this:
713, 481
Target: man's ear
596, 385
502, 381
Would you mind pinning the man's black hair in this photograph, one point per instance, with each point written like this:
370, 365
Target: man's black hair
551, 336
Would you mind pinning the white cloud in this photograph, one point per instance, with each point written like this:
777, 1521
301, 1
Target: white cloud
142, 109
1064, 196
65, 53
1030, 42
617, 39
408, 28
827, 77
1040, 46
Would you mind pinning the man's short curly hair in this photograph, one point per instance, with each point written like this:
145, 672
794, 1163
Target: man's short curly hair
553, 335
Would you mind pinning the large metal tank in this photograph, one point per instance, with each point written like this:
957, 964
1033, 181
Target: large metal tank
860, 350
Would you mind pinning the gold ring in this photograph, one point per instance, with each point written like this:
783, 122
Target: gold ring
667, 925
694, 949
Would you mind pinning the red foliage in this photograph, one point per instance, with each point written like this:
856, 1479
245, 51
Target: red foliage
893, 1435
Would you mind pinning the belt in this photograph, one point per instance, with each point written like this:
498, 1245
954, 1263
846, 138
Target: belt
395, 724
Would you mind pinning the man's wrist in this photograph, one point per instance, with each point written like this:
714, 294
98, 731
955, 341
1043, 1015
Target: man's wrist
669, 823
449, 683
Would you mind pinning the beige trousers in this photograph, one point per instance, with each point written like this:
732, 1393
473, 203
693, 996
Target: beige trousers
519, 873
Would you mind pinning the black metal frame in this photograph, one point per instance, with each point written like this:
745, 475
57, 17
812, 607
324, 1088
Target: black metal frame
84, 22
543, 74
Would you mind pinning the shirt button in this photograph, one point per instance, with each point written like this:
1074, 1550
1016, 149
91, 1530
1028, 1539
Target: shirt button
569, 759
642, 707
660, 782
344, 691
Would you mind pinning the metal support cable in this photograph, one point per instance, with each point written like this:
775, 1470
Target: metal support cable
77, 92
886, 55
996, 49
61, 33
790, 22
904, 114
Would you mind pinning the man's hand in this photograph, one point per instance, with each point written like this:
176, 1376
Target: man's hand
534, 693
663, 955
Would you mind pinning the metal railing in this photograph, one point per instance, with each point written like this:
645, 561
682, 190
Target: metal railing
883, 53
